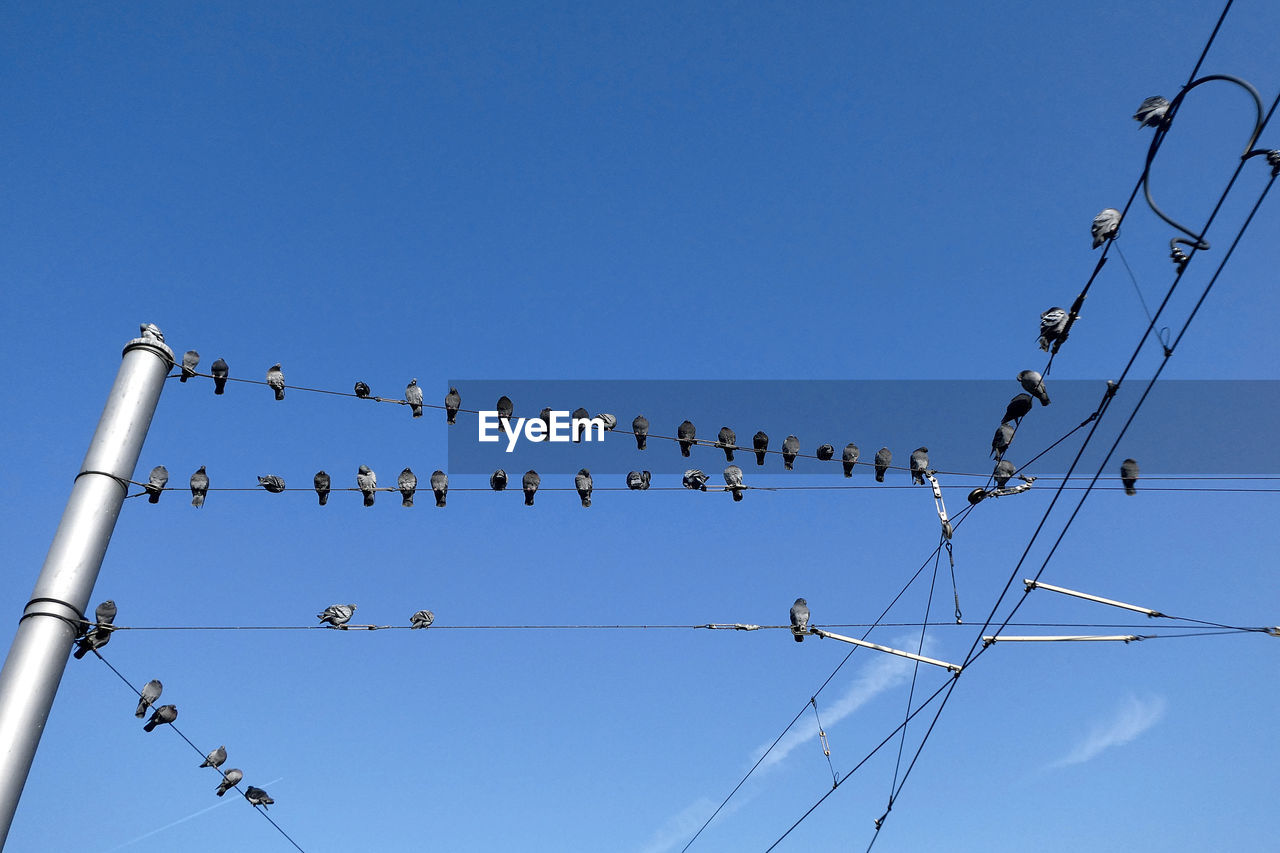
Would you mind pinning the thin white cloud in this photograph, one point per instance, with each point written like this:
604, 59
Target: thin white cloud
179, 821
1132, 718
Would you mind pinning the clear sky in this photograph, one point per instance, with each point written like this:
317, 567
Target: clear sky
504, 192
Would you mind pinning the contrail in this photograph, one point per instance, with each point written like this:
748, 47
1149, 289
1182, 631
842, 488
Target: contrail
147, 835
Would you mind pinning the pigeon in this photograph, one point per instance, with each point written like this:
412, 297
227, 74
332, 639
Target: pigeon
640, 426
258, 797
229, 780
152, 331
530, 484
582, 482
1129, 476
884, 458
199, 487
790, 450
799, 619
545, 417
216, 758
760, 441
190, 359
1001, 441
1003, 472
407, 483
164, 714
919, 465
440, 485
105, 613
726, 441
275, 380
220, 372
826, 453
1033, 383
1106, 225
686, 434
150, 693
1017, 408
155, 483
498, 480
610, 422
368, 483
322, 482
1152, 112
849, 458
505, 409
422, 619
638, 480
1053, 323
272, 483
95, 639
413, 396
337, 615
452, 402
695, 479
362, 390
733, 481
580, 414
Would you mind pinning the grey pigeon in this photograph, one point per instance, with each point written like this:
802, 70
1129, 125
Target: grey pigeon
505, 409
884, 458
323, 483
452, 402
638, 480
407, 483
799, 619
229, 780
156, 482
413, 396
640, 426
105, 613
1052, 325
272, 483
151, 330
530, 483
498, 480
422, 619
95, 639
849, 458
919, 465
727, 441
760, 441
163, 715
275, 380
220, 373
150, 693
1129, 476
580, 414
685, 434
826, 453
1033, 383
1017, 408
1152, 112
1105, 226
190, 359
362, 390
790, 450
216, 758
368, 483
733, 480
258, 797
545, 417
610, 421
583, 483
199, 487
1003, 473
1001, 440
337, 615
695, 479
440, 485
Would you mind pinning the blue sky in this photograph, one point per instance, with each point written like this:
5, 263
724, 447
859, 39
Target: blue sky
587, 192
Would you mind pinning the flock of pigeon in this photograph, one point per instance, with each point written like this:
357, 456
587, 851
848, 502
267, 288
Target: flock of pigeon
96, 636
338, 615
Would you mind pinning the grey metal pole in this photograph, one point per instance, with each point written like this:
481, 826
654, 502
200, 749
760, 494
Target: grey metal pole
47, 628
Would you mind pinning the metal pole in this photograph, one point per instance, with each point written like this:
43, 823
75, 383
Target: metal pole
49, 622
